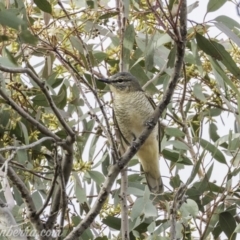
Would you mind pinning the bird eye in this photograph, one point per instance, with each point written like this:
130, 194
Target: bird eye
120, 81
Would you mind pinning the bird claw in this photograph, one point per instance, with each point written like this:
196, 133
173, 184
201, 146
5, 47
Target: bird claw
149, 123
134, 144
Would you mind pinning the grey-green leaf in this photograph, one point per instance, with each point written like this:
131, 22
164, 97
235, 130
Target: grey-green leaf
97, 177
217, 154
214, 5
174, 132
128, 41
44, 5
228, 224
227, 21
8, 18
198, 92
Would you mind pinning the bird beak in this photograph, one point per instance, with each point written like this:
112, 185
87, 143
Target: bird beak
105, 80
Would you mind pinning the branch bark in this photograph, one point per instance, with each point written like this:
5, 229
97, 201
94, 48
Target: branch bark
45, 91
116, 168
26, 196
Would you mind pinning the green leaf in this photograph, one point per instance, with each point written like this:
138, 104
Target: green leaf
100, 56
196, 57
53, 81
105, 164
43, 5
18, 198
217, 154
87, 234
61, 98
177, 144
5, 118
149, 54
237, 229
217, 51
40, 100
135, 191
175, 157
207, 46
76, 220
10, 56
4, 38
229, 22
223, 28
214, 5
25, 132
128, 41
214, 135
112, 222
27, 37
172, 56
208, 198
22, 156
92, 147
150, 210
203, 185
79, 190
195, 169
9, 18
213, 132
108, 15
189, 208
101, 238
137, 209
174, 132
140, 74
7, 62
37, 199
213, 221
97, 177
198, 92
228, 224
222, 75
175, 181
76, 43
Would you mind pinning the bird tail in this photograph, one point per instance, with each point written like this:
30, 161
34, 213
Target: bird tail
155, 185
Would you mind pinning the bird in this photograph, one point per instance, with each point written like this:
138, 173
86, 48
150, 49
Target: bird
133, 109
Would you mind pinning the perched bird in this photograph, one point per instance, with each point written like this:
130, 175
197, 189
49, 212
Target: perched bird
133, 108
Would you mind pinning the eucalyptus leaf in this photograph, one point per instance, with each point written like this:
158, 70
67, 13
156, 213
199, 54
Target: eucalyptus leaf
44, 5
214, 5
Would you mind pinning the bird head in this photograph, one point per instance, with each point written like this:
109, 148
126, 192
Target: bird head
122, 82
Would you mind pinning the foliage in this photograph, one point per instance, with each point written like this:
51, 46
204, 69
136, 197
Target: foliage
56, 119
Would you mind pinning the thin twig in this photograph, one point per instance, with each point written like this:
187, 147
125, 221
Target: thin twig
29, 118
44, 89
131, 151
39, 212
27, 198
31, 145
155, 77
122, 18
76, 77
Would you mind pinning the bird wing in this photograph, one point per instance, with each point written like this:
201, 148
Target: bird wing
125, 141
119, 132
160, 133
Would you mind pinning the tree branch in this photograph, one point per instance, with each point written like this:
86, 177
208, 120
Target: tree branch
131, 151
44, 89
26, 196
17, 148
30, 119
57, 201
